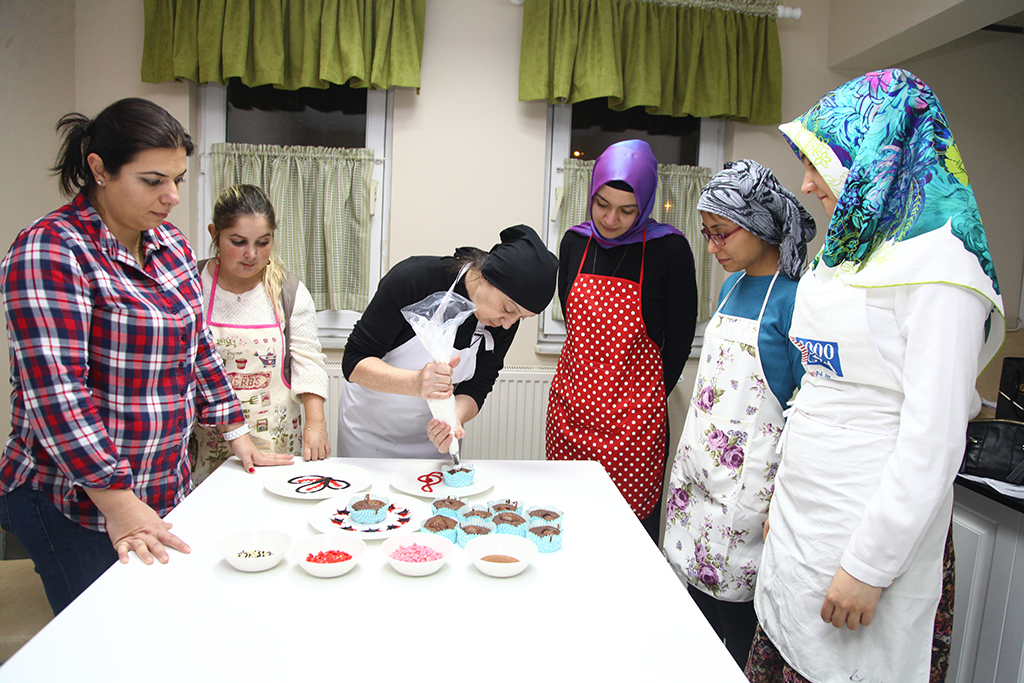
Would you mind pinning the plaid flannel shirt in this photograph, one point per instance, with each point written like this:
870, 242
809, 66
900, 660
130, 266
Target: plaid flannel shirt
110, 364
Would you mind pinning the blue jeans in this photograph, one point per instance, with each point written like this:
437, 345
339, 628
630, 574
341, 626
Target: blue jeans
67, 557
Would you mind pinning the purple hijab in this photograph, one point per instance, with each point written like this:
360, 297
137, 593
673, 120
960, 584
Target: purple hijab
633, 162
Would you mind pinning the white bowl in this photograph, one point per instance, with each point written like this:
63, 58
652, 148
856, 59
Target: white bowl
274, 543
518, 547
348, 543
438, 543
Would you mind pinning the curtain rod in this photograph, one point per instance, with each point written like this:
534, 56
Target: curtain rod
784, 12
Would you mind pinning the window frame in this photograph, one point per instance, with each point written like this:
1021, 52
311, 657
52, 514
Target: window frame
334, 326
710, 154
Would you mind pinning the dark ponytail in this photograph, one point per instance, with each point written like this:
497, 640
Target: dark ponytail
120, 132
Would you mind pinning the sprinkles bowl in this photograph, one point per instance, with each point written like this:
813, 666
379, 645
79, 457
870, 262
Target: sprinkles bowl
255, 551
417, 554
324, 555
501, 555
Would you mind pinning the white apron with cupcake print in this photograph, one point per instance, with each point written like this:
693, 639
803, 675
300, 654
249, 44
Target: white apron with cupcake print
722, 479
252, 355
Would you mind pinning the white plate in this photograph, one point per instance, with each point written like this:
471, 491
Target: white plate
317, 480
404, 516
424, 479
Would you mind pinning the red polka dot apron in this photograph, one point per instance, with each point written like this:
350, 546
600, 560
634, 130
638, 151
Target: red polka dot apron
607, 400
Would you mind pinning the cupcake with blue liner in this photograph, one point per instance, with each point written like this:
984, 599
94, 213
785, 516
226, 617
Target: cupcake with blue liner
548, 513
510, 523
442, 525
477, 512
546, 536
368, 508
506, 505
469, 529
449, 507
458, 476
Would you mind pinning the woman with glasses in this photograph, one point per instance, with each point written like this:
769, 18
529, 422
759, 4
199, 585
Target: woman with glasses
628, 292
722, 479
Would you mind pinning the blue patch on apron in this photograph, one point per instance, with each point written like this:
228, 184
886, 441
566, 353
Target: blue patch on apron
815, 352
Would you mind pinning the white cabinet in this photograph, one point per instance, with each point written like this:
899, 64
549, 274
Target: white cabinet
988, 621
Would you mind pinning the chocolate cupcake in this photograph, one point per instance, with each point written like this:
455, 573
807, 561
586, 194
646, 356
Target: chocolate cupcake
547, 537
441, 525
510, 523
548, 513
449, 507
368, 508
506, 505
478, 512
458, 477
470, 529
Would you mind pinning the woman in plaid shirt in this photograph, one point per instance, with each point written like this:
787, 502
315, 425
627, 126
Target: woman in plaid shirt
110, 362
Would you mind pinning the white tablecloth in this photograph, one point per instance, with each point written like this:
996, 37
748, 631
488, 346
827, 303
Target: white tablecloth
605, 607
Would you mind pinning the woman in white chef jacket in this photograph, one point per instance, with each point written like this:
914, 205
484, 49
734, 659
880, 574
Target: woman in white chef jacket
390, 374
722, 477
898, 314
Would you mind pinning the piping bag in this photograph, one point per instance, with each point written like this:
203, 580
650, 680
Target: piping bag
435, 320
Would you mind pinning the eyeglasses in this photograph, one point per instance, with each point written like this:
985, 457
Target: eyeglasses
718, 238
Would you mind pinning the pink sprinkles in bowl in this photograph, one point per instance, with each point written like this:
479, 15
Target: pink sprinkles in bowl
415, 553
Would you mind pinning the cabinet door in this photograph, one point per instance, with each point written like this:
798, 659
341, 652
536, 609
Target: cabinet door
974, 538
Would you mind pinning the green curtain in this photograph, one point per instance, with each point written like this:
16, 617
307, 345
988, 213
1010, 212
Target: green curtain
703, 58
288, 43
321, 197
675, 203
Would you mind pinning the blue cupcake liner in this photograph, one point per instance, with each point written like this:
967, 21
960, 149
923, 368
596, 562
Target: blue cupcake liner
462, 538
368, 516
446, 533
546, 544
512, 529
458, 479
454, 514
550, 508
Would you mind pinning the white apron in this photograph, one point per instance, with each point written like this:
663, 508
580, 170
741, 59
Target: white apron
375, 424
828, 473
252, 355
722, 479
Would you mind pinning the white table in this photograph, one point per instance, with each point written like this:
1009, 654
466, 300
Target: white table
605, 607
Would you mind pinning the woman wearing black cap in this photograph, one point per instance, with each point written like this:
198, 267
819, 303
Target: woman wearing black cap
383, 412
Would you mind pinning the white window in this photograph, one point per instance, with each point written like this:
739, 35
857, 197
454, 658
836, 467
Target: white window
334, 325
563, 140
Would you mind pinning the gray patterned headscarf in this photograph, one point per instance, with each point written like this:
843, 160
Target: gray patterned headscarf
749, 195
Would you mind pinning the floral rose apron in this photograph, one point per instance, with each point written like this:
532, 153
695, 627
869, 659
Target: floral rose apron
252, 358
722, 479
833, 469
607, 399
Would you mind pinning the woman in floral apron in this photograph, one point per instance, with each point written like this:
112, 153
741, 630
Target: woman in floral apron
242, 291
723, 474
630, 313
898, 314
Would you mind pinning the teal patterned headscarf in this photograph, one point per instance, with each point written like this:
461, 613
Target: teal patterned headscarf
883, 145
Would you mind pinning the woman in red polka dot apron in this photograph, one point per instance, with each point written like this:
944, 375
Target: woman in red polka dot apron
630, 313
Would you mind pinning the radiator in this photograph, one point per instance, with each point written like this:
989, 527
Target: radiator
510, 426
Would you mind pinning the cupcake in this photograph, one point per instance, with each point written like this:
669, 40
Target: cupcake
368, 509
470, 529
449, 507
478, 512
548, 513
458, 477
507, 505
510, 523
547, 537
441, 525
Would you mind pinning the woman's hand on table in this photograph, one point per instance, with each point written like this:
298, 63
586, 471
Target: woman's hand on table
849, 601
315, 443
434, 380
245, 450
134, 526
440, 434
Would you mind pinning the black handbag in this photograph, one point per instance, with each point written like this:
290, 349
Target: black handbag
995, 450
